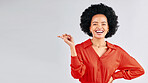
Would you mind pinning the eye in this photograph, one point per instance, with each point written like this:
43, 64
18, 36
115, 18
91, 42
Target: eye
94, 24
103, 24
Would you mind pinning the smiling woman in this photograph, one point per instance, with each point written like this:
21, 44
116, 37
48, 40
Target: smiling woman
99, 26
96, 60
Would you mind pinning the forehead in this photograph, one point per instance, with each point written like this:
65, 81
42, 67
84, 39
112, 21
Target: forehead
99, 18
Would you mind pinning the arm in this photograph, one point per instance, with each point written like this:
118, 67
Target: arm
129, 68
77, 66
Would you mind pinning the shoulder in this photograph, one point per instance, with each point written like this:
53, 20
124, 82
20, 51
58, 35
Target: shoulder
117, 47
83, 44
113, 46
121, 52
120, 49
79, 45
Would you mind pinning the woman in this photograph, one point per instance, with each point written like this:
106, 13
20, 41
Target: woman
96, 60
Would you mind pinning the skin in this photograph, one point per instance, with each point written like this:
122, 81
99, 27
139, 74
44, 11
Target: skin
98, 22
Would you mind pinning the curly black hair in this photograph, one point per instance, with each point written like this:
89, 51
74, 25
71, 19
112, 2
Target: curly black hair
87, 15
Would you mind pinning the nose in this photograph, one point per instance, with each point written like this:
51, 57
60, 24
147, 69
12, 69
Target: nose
99, 25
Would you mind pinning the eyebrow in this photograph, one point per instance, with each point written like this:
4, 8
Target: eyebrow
97, 22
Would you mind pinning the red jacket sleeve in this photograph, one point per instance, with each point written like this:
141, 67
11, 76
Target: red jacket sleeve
77, 66
129, 68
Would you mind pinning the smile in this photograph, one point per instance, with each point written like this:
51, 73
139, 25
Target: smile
99, 32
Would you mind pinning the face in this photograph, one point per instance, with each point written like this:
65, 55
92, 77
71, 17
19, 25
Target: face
99, 26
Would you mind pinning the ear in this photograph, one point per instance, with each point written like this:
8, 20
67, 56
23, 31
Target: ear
90, 29
108, 27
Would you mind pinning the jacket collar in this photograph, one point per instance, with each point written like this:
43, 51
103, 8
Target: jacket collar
89, 43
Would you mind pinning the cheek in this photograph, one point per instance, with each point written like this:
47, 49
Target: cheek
91, 28
106, 28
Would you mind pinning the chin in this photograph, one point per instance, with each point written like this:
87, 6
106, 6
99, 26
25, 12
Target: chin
99, 37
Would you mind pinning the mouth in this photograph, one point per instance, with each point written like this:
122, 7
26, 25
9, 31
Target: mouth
99, 31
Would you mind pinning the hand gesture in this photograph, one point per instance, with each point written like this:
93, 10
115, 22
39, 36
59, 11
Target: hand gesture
67, 39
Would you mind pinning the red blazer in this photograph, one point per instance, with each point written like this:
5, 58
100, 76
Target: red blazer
88, 67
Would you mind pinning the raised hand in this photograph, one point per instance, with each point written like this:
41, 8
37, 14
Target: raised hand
67, 39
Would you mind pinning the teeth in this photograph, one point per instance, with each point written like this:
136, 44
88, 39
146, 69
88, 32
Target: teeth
99, 31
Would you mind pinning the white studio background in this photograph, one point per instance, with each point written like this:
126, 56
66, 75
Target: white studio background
31, 52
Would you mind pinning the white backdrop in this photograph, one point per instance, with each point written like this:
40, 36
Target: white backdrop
30, 51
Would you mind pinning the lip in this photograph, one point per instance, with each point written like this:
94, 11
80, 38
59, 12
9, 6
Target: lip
99, 33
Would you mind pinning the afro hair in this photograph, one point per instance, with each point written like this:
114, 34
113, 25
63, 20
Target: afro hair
87, 15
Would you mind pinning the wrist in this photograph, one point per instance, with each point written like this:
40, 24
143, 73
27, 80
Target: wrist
72, 46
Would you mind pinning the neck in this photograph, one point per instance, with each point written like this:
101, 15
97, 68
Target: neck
98, 42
